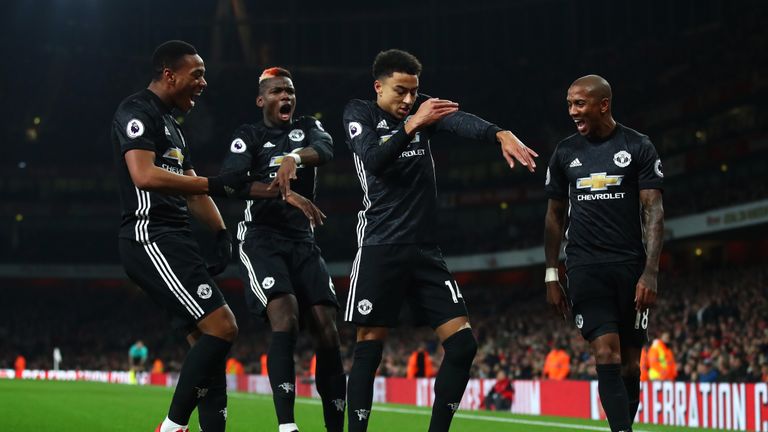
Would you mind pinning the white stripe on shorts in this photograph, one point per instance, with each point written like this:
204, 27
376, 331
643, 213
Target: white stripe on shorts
166, 272
353, 286
252, 279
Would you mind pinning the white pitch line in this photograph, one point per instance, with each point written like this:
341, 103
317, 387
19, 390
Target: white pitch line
385, 408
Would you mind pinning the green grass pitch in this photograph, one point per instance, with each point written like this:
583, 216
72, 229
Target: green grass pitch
41, 406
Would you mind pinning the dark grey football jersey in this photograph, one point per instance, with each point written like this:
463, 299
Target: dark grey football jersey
142, 121
602, 182
397, 173
263, 148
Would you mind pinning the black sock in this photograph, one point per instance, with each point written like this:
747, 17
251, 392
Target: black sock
632, 384
212, 409
332, 386
613, 396
282, 374
360, 386
201, 364
451, 381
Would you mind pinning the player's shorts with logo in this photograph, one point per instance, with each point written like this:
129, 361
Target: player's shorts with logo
173, 273
603, 301
385, 276
272, 266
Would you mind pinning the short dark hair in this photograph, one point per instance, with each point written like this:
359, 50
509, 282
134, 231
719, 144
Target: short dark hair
168, 54
272, 72
394, 60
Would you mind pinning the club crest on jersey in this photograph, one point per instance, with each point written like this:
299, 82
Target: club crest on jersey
176, 154
268, 282
598, 181
579, 321
622, 159
355, 129
238, 146
296, 135
364, 306
657, 168
135, 128
204, 291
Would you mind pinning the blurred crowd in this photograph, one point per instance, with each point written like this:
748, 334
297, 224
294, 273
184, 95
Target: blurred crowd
716, 324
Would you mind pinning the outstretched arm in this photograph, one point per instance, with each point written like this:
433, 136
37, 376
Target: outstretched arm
653, 222
470, 126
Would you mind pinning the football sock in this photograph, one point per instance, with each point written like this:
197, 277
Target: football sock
632, 384
332, 387
282, 374
212, 408
360, 386
460, 349
199, 367
613, 396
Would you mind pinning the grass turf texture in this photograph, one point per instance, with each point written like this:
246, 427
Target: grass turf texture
83, 407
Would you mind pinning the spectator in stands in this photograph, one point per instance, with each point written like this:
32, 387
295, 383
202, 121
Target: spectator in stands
501, 395
707, 373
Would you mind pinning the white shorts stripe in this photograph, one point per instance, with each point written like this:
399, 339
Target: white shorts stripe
184, 293
142, 216
252, 279
171, 281
353, 286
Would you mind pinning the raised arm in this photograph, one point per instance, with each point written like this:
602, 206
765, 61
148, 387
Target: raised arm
364, 142
318, 151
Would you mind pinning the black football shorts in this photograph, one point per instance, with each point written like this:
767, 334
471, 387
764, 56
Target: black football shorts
173, 273
603, 301
386, 276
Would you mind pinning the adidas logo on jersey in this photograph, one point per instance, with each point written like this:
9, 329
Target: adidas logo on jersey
382, 125
268, 145
576, 163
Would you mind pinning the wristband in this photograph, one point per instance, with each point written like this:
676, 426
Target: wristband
295, 157
551, 275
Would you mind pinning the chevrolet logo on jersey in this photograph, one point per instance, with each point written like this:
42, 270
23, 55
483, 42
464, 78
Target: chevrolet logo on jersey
385, 138
598, 181
175, 154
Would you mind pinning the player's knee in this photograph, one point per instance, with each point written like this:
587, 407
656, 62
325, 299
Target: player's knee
460, 348
606, 355
229, 330
285, 323
328, 337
